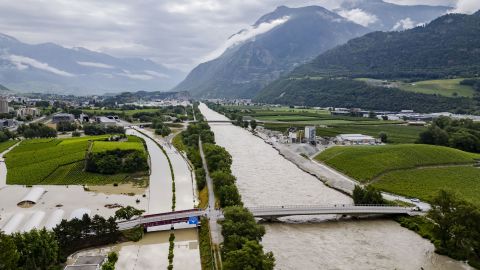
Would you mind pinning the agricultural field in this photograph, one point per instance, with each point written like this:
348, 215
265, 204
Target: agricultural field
365, 163
133, 143
448, 88
425, 183
445, 87
42, 161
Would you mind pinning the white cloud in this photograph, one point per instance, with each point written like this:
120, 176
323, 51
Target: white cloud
245, 35
358, 16
404, 24
467, 6
142, 77
22, 62
157, 74
94, 64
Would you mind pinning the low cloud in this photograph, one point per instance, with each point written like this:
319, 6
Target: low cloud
22, 62
467, 6
404, 24
94, 64
142, 77
358, 16
245, 35
157, 74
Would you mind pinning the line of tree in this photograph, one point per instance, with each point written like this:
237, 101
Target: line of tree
116, 161
190, 138
97, 129
36, 130
463, 134
47, 250
78, 234
241, 245
218, 163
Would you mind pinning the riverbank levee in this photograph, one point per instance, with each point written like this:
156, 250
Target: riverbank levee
264, 177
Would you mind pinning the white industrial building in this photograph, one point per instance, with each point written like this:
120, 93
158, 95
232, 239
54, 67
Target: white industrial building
355, 139
32, 197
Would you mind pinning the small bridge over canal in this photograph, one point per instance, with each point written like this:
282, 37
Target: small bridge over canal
190, 218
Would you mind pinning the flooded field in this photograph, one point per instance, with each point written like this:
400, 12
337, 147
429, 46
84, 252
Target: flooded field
266, 178
152, 252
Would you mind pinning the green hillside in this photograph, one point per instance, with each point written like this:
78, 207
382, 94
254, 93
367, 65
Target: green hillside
448, 46
345, 92
365, 163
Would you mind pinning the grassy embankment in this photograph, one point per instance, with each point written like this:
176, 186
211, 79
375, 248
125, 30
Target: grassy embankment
410, 170
62, 161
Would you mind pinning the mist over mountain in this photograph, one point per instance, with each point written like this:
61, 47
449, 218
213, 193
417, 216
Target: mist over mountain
302, 34
52, 68
383, 16
246, 67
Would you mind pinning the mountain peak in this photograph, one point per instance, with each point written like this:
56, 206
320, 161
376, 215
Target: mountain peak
283, 11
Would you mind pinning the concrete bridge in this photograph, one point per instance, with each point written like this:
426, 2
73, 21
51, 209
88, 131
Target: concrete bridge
170, 219
192, 216
272, 212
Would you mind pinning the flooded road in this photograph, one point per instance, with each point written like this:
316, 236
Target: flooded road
160, 185
266, 178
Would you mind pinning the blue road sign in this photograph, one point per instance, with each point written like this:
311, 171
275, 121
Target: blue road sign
193, 220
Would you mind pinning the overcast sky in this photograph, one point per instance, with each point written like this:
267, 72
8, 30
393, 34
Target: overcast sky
176, 33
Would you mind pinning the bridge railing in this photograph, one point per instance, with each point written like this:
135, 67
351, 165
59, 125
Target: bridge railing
326, 206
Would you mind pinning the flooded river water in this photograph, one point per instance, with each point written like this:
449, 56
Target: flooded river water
266, 178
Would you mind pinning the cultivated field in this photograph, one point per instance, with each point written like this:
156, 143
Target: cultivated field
134, 143
57, 161
365, 163
446, 88
425, 183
